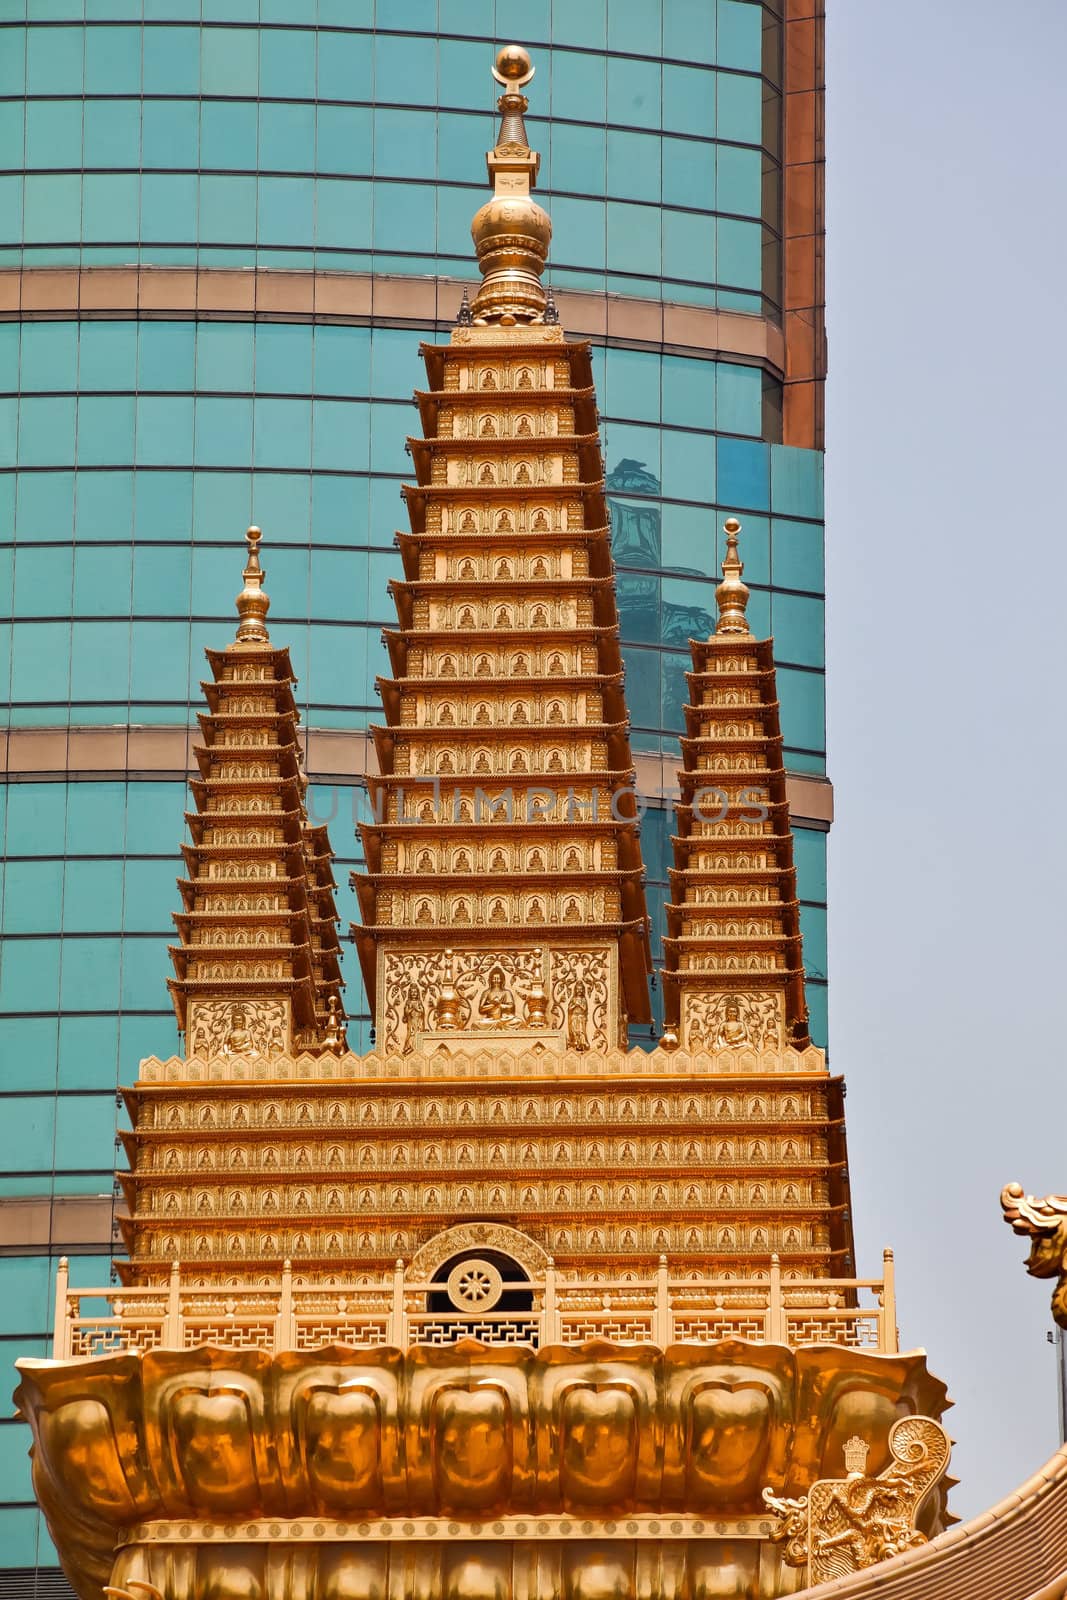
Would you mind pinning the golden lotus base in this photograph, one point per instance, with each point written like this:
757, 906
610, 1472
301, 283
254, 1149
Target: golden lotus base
565, 1472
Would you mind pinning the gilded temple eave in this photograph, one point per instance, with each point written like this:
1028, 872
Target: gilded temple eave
519, 344
432, 401
429, 938
276, 656
412, 541
407, 594
393, 690
198, 855
615, 734
605, 637
590, 490
423, 450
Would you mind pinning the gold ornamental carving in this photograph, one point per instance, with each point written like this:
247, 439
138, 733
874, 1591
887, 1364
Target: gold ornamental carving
238, 1028
847, 1524
561, 997
1044, 1223
581, 998
479, 1236
474, 992
742, 1021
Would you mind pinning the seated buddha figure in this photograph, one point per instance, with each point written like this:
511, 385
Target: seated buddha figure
497, 1004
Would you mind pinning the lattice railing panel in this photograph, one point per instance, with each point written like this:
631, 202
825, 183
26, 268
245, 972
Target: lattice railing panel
626, 1327
853, 1329
110, 1337
366, 1333
489, 1329
233, 1335
708, 1327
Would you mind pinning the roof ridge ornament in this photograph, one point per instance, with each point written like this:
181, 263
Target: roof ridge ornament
511, 232
731, 596
252, 602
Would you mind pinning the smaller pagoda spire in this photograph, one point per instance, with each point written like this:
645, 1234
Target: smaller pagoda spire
259, 958
733, 973
252, 602
511, 232
731, 596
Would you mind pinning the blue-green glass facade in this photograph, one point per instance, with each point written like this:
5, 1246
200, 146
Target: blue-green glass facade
340, 136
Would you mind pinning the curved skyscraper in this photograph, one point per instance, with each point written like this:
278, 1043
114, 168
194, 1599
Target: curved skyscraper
227, 227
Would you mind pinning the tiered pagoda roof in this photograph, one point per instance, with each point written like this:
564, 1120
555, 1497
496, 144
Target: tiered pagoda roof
734, 972
259, 951
506, 823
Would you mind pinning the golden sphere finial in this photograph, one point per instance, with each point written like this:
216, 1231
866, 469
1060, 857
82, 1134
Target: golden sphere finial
252, 603
731, 596
513, 65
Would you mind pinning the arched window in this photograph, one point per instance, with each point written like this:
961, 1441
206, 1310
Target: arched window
477, 1292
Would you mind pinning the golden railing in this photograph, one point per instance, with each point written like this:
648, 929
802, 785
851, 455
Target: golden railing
856, 1313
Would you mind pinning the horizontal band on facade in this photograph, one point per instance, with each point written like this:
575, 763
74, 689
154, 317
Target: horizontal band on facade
277, 295
334, 756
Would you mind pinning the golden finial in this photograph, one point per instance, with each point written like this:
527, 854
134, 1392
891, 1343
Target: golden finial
252, 602
731, 596
511, 232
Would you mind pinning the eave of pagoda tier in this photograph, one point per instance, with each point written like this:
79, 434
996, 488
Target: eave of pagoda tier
720, 1172
506, 683
586, 653
447, 847
438, 701
548, 600
734, 970
544, 748
428, 507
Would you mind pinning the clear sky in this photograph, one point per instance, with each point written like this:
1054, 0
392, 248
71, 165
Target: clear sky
947, 575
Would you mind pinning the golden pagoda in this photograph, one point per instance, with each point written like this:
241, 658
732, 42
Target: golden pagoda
504, 1308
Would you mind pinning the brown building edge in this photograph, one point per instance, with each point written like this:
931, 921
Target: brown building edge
804, 223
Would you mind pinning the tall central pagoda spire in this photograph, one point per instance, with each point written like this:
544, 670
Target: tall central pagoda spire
503, 898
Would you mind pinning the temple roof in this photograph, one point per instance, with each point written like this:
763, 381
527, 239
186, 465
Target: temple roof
1017, 1550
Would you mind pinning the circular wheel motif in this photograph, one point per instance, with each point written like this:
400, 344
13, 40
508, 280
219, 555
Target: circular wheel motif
475, 1286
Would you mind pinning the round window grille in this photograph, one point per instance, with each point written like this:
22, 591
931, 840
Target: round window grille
475, 1286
